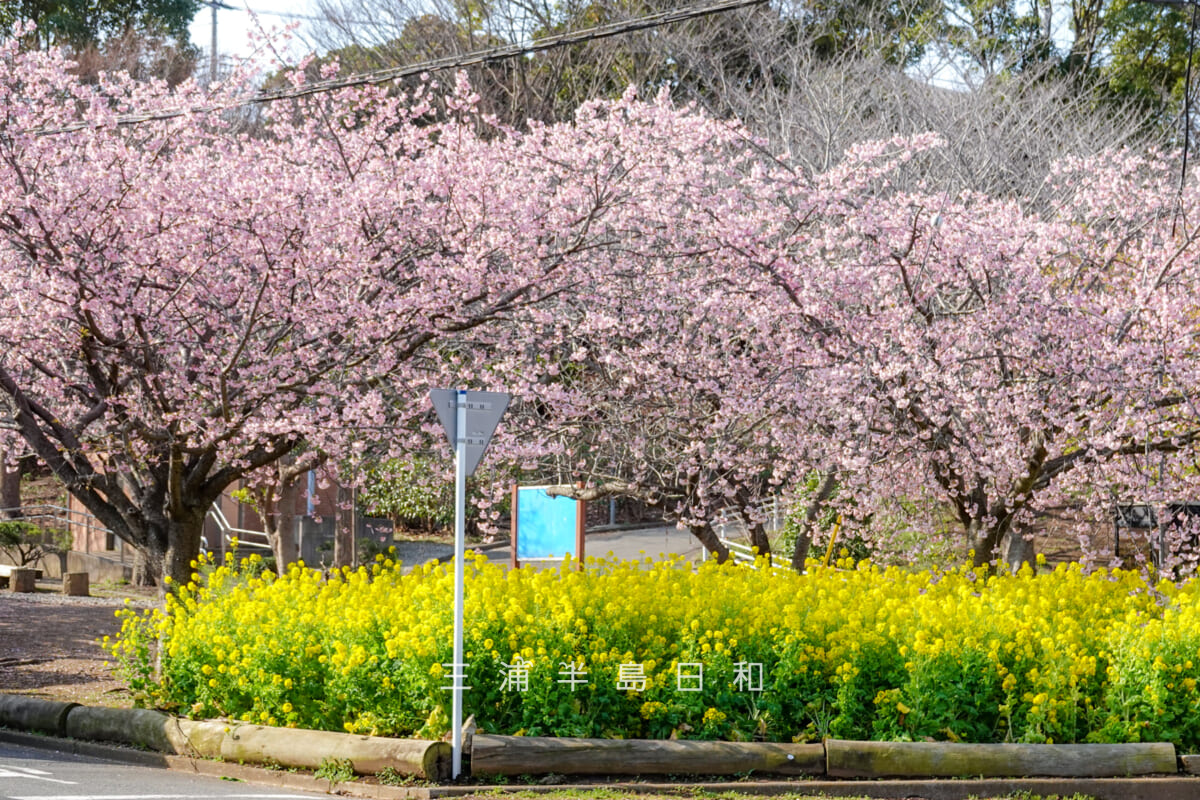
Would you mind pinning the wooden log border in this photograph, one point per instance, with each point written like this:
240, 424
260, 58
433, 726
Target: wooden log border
532, 755
231, 741
835, 758
521, 755
846, 759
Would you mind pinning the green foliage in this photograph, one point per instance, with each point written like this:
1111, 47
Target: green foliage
794, 524
371, 550
408, 492
135, 654
414, 494
336, 770
389, 776
78, 23
247, 497
853, 545
898, 31
1148, 55
24, 543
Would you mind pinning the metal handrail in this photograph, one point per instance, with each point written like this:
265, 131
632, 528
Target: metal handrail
71, 516
742, 552
229, 533
50, 511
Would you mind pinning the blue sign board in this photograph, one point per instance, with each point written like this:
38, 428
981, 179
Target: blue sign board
545, 527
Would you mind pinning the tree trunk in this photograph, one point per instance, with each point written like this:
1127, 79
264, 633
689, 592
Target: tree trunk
1018, 551
984, 542
143, 573
180, 545
173, 545
800, 554
10, 487
759, 540
284, 544
811, 515
280, 523
712, 543
277, 506
344, 533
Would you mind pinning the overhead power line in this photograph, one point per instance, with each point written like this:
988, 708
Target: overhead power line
221, 4
477, 57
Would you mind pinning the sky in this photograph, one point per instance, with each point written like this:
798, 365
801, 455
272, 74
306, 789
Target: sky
234, 25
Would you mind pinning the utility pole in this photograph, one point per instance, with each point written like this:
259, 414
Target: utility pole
212, 53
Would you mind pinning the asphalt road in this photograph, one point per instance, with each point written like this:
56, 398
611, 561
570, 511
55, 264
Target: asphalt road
27, 773
628, 545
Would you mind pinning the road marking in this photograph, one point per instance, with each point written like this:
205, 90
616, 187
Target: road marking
29, 774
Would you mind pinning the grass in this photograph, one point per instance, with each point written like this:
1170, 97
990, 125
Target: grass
335, 770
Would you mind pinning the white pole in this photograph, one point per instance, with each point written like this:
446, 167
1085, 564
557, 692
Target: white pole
460, 528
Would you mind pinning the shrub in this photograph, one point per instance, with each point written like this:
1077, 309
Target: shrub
857, 653
24, 543
408, 492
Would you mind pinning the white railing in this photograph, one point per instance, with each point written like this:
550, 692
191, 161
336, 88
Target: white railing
72, 520
743, 553
245, 537
68, 519
730, 525
733, 532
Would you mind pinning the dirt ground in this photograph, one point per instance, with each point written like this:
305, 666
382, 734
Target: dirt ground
50, 646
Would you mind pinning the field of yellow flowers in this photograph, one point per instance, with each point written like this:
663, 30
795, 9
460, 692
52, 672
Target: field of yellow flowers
665, 649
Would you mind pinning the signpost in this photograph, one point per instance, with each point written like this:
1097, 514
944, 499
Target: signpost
470, 419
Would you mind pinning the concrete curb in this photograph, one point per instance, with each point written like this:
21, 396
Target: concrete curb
285, 747
108, 752
1162, 788
185, 745
35, 714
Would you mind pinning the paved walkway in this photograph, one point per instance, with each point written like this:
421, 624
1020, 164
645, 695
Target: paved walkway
628, 545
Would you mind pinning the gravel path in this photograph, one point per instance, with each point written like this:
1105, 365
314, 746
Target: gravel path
50, 646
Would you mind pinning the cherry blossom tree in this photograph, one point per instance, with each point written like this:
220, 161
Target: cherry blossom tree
1003, 360
682, 316
185, 303
686, 408
992, 354
690, 386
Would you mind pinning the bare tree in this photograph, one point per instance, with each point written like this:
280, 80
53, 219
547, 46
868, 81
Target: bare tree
367, 35
1001, 134
144, 56
811, 78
